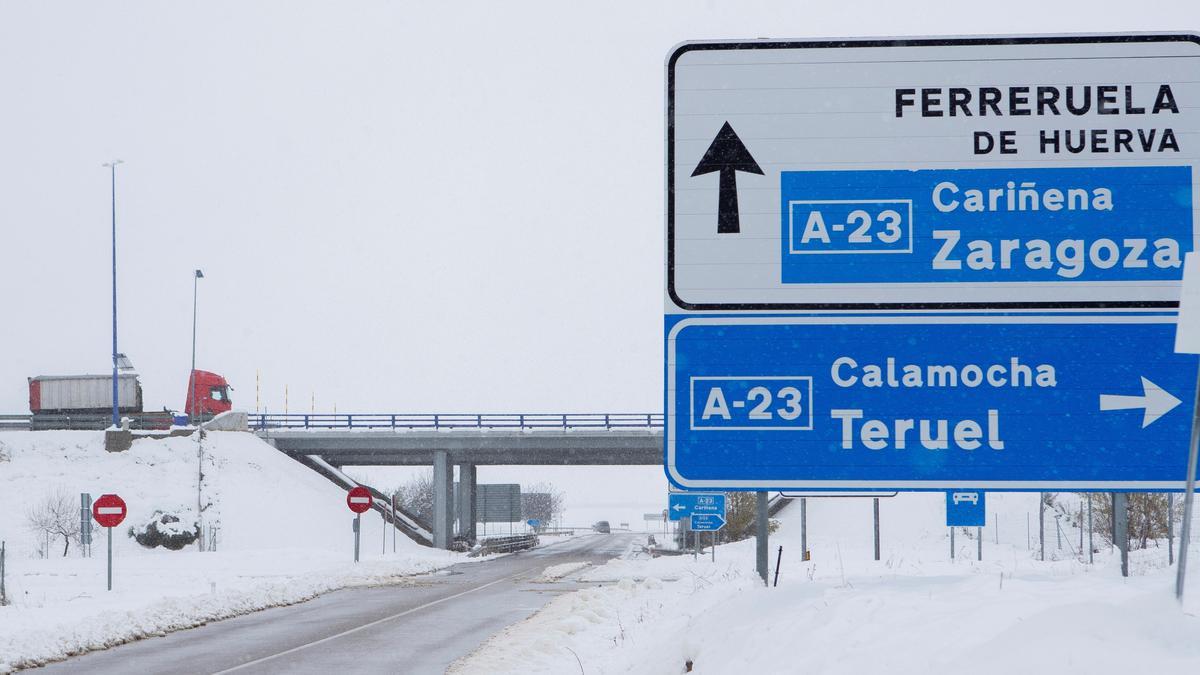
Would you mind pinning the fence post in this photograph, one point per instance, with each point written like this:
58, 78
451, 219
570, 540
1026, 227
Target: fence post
393, 421
435, 421
564, 421
350, 424
606, 425
521, 420
306, 420
479, 420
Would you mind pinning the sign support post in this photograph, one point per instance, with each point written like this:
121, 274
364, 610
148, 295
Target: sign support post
357, 533
1188, 499
979, 542
1171, 528
760, 534
1121, 525
109, 557
876, 510
952, 543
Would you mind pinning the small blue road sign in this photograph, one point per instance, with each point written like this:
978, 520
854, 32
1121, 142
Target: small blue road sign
533, 522
707, 522
965, 508
681, 505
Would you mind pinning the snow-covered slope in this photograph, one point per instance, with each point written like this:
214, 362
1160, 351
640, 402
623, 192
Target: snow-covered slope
913, 611
284, 535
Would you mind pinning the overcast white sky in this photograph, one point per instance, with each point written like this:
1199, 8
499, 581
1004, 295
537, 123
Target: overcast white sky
397, 206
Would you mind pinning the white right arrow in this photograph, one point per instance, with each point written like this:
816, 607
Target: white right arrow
1154, 399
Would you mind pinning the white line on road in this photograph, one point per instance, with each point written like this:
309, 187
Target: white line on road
364, 626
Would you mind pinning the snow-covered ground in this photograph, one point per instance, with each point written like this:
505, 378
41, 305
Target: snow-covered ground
284, 536
914, 611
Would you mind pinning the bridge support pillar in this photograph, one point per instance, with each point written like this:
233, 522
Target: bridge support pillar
466, 501
443, 508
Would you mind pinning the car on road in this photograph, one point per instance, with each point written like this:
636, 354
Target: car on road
602, 527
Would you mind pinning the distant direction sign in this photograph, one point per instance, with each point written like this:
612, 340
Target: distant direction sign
681, 505
359, 499
1047, 171
966, 508
927, 403
109, 510
707, 522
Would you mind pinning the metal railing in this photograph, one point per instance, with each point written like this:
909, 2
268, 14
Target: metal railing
518, 542
85, 421
450, 421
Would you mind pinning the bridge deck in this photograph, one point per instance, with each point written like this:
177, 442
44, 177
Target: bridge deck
540, 446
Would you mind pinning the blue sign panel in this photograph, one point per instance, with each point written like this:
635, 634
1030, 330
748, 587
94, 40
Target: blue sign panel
681, 505
986, 225
927, 403
965, 508
707, 522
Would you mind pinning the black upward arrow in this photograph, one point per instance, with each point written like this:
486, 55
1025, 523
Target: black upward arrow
728, 155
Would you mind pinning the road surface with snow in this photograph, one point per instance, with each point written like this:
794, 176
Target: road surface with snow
417, 627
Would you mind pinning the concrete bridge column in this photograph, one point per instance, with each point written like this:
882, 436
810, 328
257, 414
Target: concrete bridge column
443, 509
466, 501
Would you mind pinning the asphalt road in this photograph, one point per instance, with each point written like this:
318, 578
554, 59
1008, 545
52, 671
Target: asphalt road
418, 628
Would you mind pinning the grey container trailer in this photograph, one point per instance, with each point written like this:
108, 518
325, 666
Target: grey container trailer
78, 394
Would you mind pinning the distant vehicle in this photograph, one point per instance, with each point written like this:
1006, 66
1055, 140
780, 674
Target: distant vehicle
960, 497
93, 394
602, 527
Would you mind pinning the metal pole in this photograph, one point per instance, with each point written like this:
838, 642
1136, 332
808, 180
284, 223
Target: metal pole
1028, 536
383, 517
109, 557
116, 415
1170, 528
761, 536
1121, 523
996, 526
1058, 530
713, 542
1091, 542
952, 543
1185, 536
1042, 525
3, 596
392, 506
778, 559
876, 510
979, 543
695, 542
803, 529
357, 531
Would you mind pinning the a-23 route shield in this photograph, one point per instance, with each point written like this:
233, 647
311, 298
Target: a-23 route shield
933, 402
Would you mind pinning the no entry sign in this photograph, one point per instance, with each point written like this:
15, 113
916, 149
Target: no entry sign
109, 510
359, 499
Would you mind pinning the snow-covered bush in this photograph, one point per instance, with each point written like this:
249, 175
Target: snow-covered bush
165, 530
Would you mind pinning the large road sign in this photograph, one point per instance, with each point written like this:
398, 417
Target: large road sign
1049, 171
359, 499
966, 508
682, 505
109, 510
918, 402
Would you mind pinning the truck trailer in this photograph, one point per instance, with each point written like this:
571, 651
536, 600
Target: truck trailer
83, 394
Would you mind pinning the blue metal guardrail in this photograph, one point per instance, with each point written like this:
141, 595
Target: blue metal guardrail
514, 421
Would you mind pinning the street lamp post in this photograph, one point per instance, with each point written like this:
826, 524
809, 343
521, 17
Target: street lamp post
192, 374
196, 277
112, 166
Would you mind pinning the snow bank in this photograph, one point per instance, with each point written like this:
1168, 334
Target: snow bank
283, 536
557, 572
914, 611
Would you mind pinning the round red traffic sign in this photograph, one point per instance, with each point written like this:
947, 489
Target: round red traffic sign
359, 499
108, 510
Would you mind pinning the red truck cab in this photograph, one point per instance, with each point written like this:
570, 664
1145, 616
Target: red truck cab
209, 392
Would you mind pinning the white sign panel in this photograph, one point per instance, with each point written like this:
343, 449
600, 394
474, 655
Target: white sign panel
1017, 172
